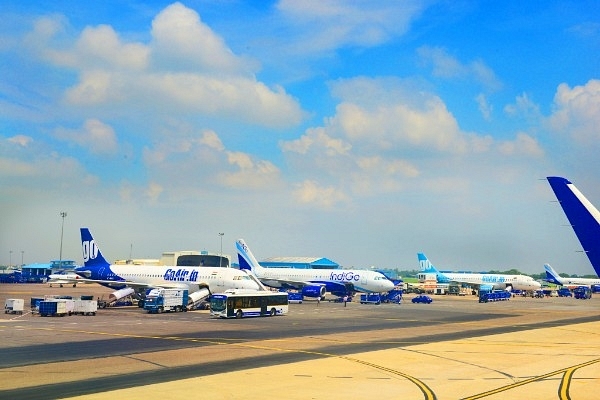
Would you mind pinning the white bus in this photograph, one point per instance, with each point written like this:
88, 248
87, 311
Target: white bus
238, 304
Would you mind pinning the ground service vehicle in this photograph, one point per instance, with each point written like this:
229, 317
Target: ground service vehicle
14, 306
582, 292
564, 292
160, 299
238, 304
422, 298
493, 295
370, 298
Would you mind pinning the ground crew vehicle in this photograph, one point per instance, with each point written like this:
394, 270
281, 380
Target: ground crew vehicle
159, 300
14, 306
582, 292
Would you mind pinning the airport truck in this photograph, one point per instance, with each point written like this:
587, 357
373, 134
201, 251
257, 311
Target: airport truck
14, 306
582, 292
159, 300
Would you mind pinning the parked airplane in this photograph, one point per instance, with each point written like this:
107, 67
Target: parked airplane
200, 281
553, 277
480, 280
63, 278
314, 282
582, 215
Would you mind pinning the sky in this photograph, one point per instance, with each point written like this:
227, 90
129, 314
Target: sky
359, 131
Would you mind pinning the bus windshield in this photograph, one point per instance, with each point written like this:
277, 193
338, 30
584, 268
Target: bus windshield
217, 303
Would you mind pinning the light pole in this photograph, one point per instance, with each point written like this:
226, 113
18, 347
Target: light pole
221, 255
10, 259
63, 214
22, 253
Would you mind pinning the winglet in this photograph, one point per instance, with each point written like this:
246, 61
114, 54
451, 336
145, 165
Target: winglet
582, 215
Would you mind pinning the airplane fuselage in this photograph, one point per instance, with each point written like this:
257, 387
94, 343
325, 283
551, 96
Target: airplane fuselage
361, 280
192, 278
497, 281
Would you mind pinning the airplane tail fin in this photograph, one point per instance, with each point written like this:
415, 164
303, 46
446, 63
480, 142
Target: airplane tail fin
582, 215
426, 265
551, 275
245, 256
92, 257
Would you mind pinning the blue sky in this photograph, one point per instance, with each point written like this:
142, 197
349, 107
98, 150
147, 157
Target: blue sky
360, 131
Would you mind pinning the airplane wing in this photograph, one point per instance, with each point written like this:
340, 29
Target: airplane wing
298, 285
285, 283
135, 285
476, 286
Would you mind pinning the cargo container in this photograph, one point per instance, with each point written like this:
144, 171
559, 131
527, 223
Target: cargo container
85, 307
14, 306
56, 307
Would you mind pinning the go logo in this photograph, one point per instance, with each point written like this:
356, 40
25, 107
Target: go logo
90, 250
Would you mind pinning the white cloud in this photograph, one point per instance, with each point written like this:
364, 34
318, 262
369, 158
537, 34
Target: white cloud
577, 111
21, 140
309, 192
523, 107
250, 173
94, 135
523, 144
447, 66
484, 106
186, 68
329, 25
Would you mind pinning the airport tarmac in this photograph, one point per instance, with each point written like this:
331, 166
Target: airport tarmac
454, 348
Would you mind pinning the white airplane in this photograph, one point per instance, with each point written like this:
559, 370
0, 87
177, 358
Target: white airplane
314, 282
481, 281
63, 278
553, 277
199, 281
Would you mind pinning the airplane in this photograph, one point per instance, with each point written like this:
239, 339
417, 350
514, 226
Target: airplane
553, 277
582, 215
127, 279
480, 280
63, 278
314, 282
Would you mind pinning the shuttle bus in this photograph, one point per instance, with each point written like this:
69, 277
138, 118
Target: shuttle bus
238, 304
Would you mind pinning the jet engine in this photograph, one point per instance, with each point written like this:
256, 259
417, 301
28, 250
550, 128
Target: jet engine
313, 291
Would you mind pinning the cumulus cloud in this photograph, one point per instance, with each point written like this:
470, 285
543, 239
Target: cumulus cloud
449, 67
576, 111
525, 107
21, 140
186, 67
309, 192
94, 135
329, 25
523, 144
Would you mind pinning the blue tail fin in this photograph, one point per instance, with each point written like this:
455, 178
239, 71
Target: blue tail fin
92, 257
582, 215
551, 275
424, 263
245, 256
